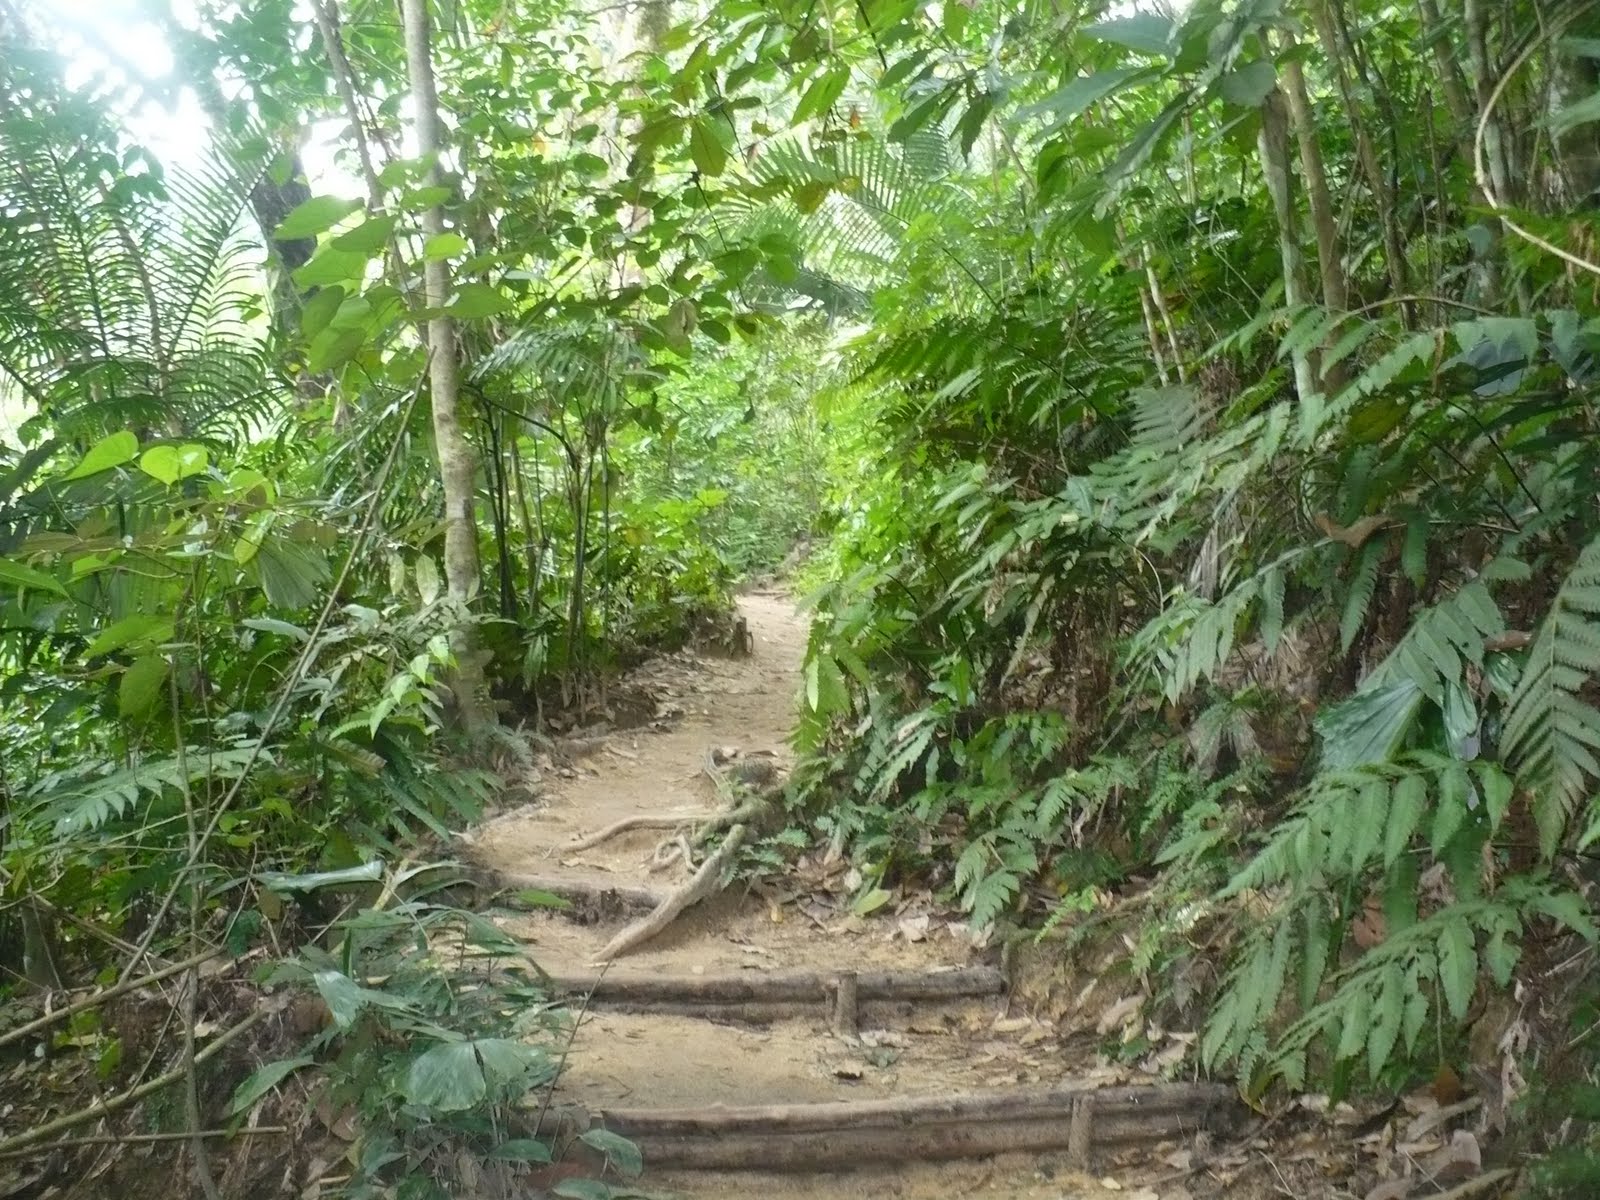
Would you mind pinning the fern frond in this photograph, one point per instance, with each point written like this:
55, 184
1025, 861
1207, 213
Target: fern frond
1552, 729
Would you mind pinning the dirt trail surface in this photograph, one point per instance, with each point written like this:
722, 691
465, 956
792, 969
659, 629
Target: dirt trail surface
701, 1059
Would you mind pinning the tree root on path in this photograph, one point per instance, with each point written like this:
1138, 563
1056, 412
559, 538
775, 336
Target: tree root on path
671, 851
640, 821
753, 811
706, 881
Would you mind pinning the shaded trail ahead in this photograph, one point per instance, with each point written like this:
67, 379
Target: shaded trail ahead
737, 1005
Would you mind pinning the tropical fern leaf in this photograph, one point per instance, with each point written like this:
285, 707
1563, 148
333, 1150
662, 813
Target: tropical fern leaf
1552, 729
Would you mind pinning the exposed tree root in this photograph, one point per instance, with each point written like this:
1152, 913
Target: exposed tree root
706, 881
753, 811
923, 1128
674, 850
641, 821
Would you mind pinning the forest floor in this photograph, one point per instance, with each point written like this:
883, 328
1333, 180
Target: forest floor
702, 1060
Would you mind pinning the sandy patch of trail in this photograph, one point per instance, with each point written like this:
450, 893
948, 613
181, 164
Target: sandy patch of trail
694, 1060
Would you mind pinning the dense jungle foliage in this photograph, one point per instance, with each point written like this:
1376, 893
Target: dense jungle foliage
1191, 410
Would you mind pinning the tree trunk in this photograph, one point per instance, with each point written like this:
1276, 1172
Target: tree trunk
1272, 142
457, 470
1383, 199
1335, 292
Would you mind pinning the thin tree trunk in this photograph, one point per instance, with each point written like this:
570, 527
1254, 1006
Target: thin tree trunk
457, 470
1155, 337
1335, 291
1464, 112
1382, 195
1165, 313
1272, 142
1450, 78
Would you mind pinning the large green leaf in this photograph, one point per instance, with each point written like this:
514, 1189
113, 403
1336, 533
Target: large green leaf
22, 576
313, 217
140, 688
112, 451
1150, 33
1370, 726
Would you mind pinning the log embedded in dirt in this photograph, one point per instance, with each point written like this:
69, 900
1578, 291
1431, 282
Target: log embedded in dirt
1080, 1121
707, 881
696, 993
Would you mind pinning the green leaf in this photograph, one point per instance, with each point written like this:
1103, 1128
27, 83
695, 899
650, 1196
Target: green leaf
141, 685
818, 98
619, 1151
871, 902
278, 881
1249, 85
534, 898
709, 155
1458, 965
139, 629
113, 451
525, 1150
1082, 92
332, 266
1386, 1017
1370, 726
346, 999
444, 245
1405, 814
18, 575
1146, 32
446, 1078
262, 1080
1581, 113
367, 238
273, 625
161, 464
313, 217
1451, 814
319, 310
474, 300
1497, 788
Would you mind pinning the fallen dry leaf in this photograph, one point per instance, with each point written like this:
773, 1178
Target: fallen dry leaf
914, 929
1117, 1015
1390, 1189
1461, 1159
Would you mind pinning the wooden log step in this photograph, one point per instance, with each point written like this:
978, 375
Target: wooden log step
697, 993
847, 1134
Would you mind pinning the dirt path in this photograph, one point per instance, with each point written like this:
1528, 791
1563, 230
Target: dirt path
696, 1060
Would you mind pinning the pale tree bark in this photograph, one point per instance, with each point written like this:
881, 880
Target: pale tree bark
1335, 290
1464, 113
457, 469
1383, 199
1272, 143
